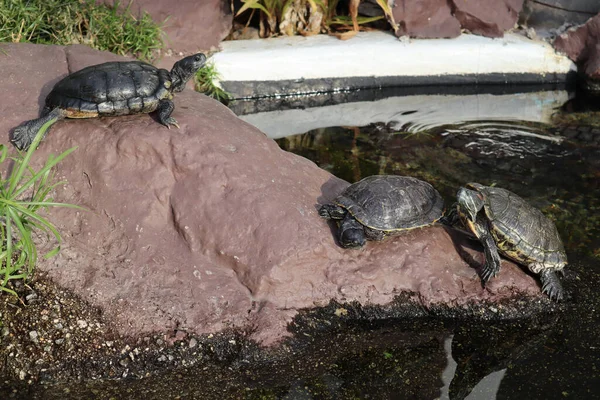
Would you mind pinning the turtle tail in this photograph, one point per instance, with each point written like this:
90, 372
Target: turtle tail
23, 135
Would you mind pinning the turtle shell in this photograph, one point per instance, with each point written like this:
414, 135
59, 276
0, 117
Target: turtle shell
521, 231
112, 88
391, 203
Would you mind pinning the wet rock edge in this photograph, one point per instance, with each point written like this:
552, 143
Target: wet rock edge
35, 366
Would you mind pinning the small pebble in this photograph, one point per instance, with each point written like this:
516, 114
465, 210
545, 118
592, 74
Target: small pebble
33, 335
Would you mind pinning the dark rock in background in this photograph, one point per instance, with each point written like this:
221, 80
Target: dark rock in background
552, 14
582, 45
425, 19
190, 25
487, 17
445, 19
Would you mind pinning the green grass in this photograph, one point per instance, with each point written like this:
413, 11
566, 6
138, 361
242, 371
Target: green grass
204, 83
22, 194
66, 22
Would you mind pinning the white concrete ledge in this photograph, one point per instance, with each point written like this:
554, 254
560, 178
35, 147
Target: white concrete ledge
378, 58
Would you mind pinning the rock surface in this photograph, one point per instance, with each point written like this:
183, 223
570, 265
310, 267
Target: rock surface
425, 19
552, 14
444, 19
487, 17
212, 225
190, 25
582, 45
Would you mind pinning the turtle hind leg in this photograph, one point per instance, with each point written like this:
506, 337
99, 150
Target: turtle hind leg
23, 135
551, 284
374, 234
164, 110
331, 211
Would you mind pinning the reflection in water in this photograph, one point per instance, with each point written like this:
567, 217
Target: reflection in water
448, 141
412, 113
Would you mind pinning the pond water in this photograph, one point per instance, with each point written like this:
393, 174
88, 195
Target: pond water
541, 144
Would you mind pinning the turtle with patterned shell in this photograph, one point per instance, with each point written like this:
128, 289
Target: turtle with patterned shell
507, 224
113, 88
382, 205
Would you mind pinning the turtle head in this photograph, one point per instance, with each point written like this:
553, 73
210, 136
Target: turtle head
184, 69
469, 202
352, 233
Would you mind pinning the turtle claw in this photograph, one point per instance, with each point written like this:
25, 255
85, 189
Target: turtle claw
488, 272
551, 285
553, 293
171, 121
21, 137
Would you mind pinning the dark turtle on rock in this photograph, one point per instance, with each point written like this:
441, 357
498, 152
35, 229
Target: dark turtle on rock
113, 88
505, 223
382, 205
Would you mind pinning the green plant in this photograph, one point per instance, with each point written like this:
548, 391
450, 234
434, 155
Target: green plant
66, 22
22, 194
279, 16
204, 82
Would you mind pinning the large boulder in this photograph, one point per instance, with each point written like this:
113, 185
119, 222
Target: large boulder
190, 25
213, 225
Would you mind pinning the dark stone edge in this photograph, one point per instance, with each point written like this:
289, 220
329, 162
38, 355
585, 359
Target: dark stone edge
439, 84
234, 348
312, 100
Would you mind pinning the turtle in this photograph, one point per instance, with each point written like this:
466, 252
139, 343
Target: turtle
505, 223
382, 205
113, 88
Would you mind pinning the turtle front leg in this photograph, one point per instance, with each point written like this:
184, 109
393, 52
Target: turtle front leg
550, 283
23, 135
165, 108
451, 217
331, 211
491, 266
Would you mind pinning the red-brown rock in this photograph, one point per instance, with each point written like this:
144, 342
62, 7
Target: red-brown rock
425, 19
582, 45
190, 25
212, 225
487, 17
444, 19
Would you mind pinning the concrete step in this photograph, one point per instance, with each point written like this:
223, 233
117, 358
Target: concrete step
322, 63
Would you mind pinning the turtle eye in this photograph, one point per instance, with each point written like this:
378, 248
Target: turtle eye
197, 58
